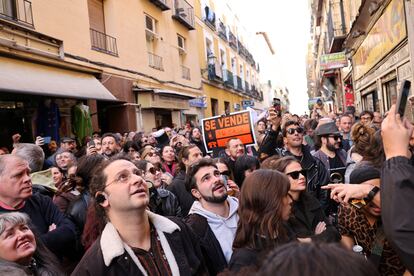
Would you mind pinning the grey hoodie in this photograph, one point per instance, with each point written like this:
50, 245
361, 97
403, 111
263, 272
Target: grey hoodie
223, 228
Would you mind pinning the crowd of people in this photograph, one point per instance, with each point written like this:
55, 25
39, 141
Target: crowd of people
330, 194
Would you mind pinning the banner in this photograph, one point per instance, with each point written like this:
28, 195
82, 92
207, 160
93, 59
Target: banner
219, 129
333, 61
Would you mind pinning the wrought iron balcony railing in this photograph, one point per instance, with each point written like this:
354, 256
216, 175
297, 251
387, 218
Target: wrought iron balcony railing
239, 84
232, 40
155, 61
228, 78
222, 31
103, 43
185, 72
184, 13
164, 5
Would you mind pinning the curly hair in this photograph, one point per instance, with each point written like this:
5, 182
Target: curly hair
260, 210
368, 143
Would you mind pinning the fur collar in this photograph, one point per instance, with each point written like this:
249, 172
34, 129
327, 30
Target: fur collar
112, 245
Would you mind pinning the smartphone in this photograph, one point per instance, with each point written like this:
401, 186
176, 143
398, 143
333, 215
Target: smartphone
277, 106
225, 178
402, 98
47, 139
91, 143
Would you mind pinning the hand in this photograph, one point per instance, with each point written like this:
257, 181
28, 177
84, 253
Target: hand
16, 138
167, 178
233, 186
52, 227
396, 135
91, 150
274, 118
40, 141
344, 192
320, 228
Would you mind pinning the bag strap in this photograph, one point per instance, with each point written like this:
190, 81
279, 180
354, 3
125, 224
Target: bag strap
377, 246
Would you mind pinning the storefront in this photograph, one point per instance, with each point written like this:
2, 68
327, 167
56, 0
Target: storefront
382, 61
42, 100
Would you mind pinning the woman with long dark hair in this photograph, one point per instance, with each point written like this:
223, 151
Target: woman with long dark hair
264, 207
169, 162
308, 220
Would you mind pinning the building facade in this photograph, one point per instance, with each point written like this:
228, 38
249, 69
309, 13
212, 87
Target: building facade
230, 75
377, 44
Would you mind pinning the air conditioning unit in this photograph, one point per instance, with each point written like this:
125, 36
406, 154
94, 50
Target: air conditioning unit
150, 30
181, 45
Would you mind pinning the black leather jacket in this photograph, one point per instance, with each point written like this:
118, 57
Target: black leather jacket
164, 203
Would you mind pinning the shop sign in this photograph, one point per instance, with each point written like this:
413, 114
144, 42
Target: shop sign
333, 61
198, 102
387, 33
219, 129
247, 103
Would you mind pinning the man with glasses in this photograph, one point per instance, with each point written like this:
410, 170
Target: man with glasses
366, 117
135, 241
213, 215
317, 174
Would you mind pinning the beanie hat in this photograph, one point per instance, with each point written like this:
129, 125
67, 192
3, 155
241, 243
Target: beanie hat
364, 173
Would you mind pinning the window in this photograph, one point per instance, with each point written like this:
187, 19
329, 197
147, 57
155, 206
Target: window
226, 107
181, 44
150, 28
214, 107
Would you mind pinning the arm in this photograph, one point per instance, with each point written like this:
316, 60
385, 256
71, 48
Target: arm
347, 242
64, 236
342, 193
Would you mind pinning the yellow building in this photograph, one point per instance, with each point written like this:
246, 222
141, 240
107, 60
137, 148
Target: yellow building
134, 63
230, 75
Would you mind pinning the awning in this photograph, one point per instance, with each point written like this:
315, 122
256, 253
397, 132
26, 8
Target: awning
18, 76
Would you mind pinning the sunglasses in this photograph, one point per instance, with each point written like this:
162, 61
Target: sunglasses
298, 130
153, 170
335, 137
295, 174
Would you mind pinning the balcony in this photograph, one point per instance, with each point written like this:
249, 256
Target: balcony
228, 78
222, 31
232, 41
247, 87
155, 61
164, 5
210, 18
104, 43
239, 86
185, 73
214, 72
184, 13
18, 11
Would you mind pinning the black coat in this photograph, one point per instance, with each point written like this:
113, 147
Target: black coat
397, 200
307, 213
164, 203
210, 247
184, 197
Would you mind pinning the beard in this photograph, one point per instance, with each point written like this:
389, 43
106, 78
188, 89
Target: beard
215, 199
331, 147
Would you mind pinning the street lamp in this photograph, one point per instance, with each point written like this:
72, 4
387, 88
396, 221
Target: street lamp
211, 61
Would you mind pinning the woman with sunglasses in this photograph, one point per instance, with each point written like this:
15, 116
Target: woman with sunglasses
162, 201
308, 220
149, 154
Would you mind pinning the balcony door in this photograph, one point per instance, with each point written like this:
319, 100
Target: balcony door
96, 15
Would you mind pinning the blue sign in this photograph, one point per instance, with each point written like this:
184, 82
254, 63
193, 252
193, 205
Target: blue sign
198, 102
247, 103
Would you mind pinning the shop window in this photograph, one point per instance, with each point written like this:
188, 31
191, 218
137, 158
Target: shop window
214, 107
371, 101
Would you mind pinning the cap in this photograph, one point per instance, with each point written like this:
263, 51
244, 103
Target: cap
327, 128
364, 173
67, 140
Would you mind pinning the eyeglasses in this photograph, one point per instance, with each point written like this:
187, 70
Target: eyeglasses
335, 137
124, 177
295, 174
291, 131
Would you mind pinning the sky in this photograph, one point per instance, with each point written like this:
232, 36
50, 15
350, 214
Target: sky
287, 24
